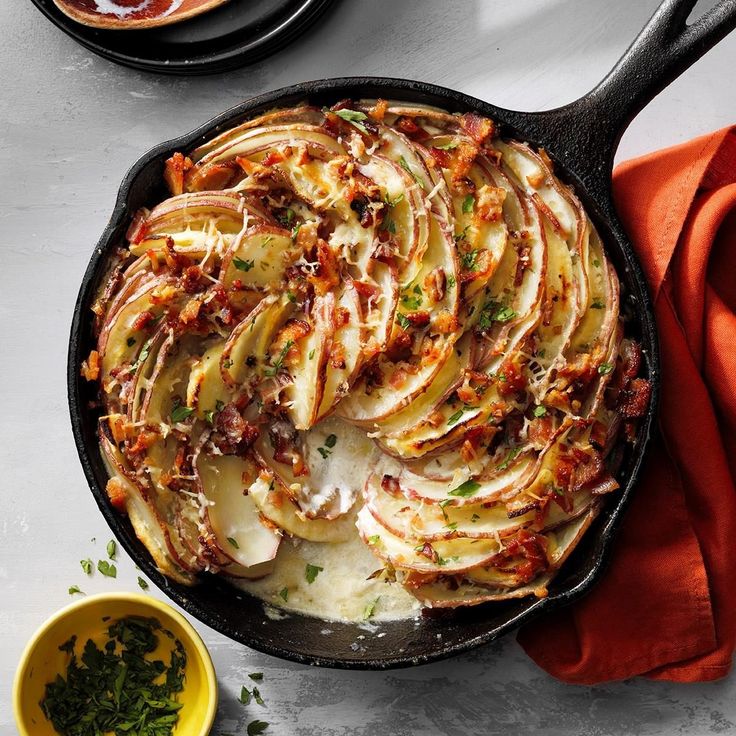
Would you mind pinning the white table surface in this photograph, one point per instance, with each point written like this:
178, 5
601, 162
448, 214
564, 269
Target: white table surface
71, 124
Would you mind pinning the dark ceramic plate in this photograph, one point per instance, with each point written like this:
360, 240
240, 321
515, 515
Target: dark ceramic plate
239, 32
581, 138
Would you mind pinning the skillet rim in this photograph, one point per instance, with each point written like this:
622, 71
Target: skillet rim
603, 533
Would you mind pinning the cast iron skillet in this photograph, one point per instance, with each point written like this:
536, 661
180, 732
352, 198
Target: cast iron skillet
581, 138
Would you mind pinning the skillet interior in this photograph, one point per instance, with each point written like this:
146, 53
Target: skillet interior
298, 637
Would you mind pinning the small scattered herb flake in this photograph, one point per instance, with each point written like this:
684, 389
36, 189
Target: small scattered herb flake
284, 594
403, 321
242, 265
111, 549
255, 728
540, 411
468, 488
233, 542
244, 695
142, 584
311, 572
256, 676
180, 412
87, 566
107, 568
605, 368
331, 440
75, 589
468, 203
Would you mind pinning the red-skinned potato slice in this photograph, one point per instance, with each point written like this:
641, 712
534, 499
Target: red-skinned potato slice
445, 593
245, 357
303, 396
346, 349
274, 503
231, 514
258, 258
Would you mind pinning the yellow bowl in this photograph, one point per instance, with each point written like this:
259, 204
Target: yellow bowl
41, 660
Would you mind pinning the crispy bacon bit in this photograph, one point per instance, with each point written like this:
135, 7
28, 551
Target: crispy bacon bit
435, 284
410, 129
91, 367
327, 274
531, 548
233, 435
137, 229
476, 438
117, 494
274, 157
462, 161
398, 378
436, 418
190, 312
429, 552
338, 358
143, 441
634, 399
174, 170
292, 331
541, 431
511, 377
446, 322
378, 111
418, 319
306, 236
143, 320
342, 317
287, 446
587, 470
191, 279
480, 129
522, 263
211, 177
391, 485
489, 203
401, 347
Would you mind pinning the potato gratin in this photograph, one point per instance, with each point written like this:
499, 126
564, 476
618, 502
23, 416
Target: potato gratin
364, 359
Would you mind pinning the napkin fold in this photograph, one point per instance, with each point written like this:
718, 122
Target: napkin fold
666, 606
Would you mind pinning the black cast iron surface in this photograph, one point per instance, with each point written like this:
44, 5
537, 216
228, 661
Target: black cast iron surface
581, 138
237, 33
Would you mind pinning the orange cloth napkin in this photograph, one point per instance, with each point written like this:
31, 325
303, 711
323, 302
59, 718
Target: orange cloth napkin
666, 606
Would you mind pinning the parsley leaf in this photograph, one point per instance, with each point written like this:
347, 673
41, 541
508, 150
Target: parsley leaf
142, 584
331, 440
244, 695
469, 488
256, 676
353, 116
180, 412
370, 609
469, 260
311, 572
111, 549
255, 728
107, 569
233, 542
512, 455
280, 360
87, 566
242, 265
455, 417
403, 321
284, 594
75, 589
598, 304
540, 411
605, 368
468, 203
446, 146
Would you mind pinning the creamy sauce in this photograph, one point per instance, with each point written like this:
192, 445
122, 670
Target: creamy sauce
341, 590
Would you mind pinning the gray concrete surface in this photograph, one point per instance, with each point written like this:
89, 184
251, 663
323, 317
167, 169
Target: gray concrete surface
71, 124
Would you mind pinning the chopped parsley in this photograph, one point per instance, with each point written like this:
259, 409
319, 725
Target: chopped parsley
598, 304
255, 728
389, 226
256, 676
75, 589
111, 549
469, 260
468, 203
209, 416
412, 303
469, 488
446, 146
540, 411
291, 296
331, 440
233, 542
325, 453
242, 265
461, 235
311, 354
118, 688
257, 696
280, 360
494, 312
87, 566
374, 539
180, 412
511, 455
403, 321
295, 232
454, 418
142, 584
474, 518
605, 368
244, 695
284, 594
353, 116
107, 569
451, 282
404, 165
370, 609
311, 572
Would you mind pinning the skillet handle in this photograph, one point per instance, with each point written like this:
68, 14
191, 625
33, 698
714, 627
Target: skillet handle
585, 134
